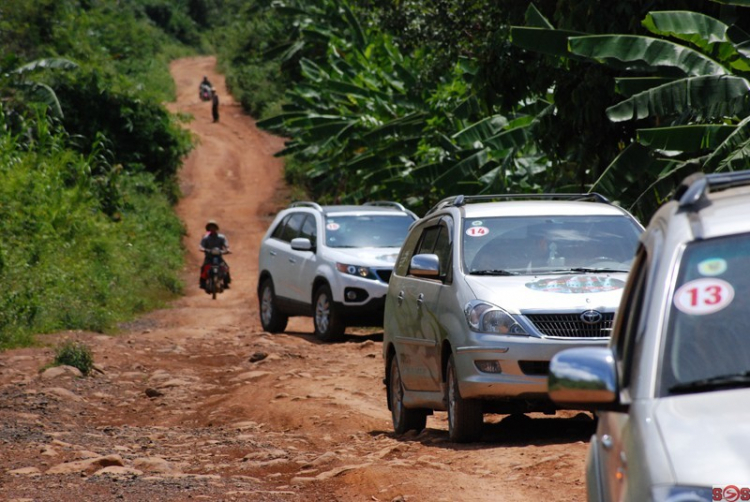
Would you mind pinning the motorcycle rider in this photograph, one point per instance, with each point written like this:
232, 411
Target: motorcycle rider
205, 84
213, 239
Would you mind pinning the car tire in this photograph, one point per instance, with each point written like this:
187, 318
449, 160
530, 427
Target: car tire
404, 419
464, 415
329, 326
272, 320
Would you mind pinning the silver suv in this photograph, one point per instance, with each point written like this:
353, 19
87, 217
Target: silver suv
486, 290
329, 262
672, 389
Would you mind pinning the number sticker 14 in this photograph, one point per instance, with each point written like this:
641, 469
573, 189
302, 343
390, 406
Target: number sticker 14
704, 296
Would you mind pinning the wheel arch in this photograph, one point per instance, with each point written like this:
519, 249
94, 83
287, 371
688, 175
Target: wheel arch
265, 274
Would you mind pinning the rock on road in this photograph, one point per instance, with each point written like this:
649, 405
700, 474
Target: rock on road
196, 402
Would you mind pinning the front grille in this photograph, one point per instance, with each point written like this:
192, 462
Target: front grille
384, 275
571, 325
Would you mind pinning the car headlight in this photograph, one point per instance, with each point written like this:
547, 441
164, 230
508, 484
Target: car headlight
488, 318
355, 270
681, 494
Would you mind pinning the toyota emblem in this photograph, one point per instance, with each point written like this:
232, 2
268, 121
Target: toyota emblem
591, 317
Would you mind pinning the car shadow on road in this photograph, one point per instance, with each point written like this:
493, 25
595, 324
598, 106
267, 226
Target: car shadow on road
511, 430
348, 337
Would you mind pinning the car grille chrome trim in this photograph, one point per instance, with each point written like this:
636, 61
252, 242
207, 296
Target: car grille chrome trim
571, 325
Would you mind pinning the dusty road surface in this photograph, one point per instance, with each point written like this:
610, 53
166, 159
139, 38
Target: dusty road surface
196, 402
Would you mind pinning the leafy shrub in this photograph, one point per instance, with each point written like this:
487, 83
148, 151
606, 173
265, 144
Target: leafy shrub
75, 354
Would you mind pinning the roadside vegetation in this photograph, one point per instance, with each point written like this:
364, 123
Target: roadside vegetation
418, 100
88, 159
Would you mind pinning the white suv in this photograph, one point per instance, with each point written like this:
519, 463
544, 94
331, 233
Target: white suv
486, 290
329, 262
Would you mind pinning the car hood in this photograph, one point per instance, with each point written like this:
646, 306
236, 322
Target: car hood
549, 292
370, 257
706, 436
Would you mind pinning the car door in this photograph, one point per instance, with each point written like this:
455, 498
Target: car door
304, 264
282, 260
417, 312
615, 428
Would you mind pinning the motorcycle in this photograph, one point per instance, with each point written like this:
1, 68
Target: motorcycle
204, 92
215, 272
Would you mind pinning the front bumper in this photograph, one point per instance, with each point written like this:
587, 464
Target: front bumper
523, 362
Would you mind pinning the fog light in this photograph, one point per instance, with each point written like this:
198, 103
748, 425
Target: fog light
488, 366
351, 295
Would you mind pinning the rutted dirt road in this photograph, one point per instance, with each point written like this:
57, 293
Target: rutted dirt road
196, 402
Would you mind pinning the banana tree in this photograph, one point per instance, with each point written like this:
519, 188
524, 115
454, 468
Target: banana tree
688, 85
18, 78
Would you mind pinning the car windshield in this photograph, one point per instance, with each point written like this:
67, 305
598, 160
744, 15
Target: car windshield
533, 245
707, 342
361, 231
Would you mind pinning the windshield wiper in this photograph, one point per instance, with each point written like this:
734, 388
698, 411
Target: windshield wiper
493, 272
717, 382
591, 270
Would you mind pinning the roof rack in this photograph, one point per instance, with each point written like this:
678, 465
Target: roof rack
388, 203
697, 186
461, 200
304, 203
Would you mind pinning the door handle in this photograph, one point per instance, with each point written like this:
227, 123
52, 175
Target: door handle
420, 300
400, 297
292, 260
272, 253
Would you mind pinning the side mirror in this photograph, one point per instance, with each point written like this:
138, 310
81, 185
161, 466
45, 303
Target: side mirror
425, 265
302, 244
584, 378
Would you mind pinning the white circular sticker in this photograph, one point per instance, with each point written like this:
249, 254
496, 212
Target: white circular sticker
477, 231
704, 296
712, 266
333, 226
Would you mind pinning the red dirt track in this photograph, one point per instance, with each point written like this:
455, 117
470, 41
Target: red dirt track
196, 402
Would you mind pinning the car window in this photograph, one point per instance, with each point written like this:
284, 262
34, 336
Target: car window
292, 227
309, 229
539, 244
707, 334
279, 230
428, 240
379, 231
407, 251
630, 317
437, 240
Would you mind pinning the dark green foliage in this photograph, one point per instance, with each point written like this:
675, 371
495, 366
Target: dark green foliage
88, 234
75, 354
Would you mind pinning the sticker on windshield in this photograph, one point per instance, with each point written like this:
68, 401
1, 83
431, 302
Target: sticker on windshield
476, 223
577, 284
704, 296
712, 266
477, 231
333, 226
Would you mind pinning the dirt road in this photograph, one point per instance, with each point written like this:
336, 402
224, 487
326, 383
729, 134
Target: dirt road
196, 402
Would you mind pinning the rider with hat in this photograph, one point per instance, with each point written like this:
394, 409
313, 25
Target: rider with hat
213, 239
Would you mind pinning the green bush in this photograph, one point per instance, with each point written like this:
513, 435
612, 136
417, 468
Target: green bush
75, 354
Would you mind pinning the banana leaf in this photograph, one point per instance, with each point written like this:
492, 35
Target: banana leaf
536, 19
689, 138
644, 53
737, 141
543, 40
698, 29
711, 95
480, 131
630, 86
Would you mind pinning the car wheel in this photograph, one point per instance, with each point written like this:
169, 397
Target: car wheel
404, 419
271, 318
329, 326
464, 415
